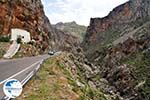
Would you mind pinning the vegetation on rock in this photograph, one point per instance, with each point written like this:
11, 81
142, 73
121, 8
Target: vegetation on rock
72, 28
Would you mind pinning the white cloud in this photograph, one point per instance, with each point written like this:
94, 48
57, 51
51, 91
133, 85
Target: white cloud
78, 10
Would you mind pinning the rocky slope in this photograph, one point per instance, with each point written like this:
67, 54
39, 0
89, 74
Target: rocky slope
62, 77
28, 15
72, 28
121, 20
64, 41
119, 45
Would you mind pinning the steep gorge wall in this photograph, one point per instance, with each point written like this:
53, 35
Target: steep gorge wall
119, 21
125, 63
29, 15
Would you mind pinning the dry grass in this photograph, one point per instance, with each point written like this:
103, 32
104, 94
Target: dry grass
55, 81
26, 50
4, 46
50, 83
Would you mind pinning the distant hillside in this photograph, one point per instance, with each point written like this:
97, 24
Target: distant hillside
72, 28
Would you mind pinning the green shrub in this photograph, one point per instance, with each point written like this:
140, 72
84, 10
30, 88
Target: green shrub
31, 42
4, 38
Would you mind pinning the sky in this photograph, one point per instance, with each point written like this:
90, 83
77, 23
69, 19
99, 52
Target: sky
78, 10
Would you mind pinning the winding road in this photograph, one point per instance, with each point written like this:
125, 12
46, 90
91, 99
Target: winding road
22, 69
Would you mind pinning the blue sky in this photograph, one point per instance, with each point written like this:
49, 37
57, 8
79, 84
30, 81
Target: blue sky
78, 10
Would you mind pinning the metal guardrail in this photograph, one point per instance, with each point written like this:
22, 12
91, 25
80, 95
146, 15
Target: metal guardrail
28, 77
32, 73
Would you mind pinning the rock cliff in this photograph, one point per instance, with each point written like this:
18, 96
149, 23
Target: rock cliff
119, 45
28, 15
121, 20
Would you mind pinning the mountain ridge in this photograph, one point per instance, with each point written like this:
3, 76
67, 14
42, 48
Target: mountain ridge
71, 28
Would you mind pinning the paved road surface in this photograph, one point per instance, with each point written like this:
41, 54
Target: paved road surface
18, 69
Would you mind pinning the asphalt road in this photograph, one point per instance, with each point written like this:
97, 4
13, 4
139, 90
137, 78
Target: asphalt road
19, 69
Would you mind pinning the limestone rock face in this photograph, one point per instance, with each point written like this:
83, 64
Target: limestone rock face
25, 14
119, 46
28, 15
119, 21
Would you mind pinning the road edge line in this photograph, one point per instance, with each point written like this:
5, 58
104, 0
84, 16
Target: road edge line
19, 72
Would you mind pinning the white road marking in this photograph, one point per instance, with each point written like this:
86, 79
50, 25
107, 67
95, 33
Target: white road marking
20, 72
